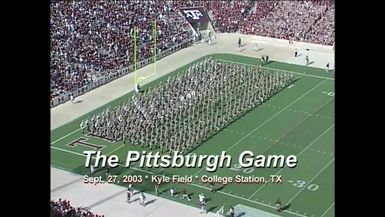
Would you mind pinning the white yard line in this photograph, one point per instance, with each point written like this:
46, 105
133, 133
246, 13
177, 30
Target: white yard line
65, 136
196, 185
315, 140
275, 115
327, 209
116, 149
265, 122
68, 151
269, 146
296, 73
327, 165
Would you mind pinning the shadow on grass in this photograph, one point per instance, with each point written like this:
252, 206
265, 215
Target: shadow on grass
212, 208
287, 206
220, 188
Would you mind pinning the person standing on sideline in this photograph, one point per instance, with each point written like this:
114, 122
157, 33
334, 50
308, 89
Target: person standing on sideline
201, 198
231, 211
327, 67
295, 53
185, 195
142, 199
239, 43
278, 205
137, 88
92, 168
131, 189
128, 195
172, 192
307, 59
72, 98
203, 207
156, 189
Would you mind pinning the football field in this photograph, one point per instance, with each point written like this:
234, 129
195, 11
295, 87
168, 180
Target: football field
299, 120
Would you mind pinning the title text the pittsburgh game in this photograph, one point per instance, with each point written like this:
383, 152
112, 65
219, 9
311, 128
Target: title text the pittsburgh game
246, 159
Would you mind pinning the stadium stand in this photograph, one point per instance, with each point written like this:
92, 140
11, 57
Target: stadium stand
91, 40
63, 208
305, 21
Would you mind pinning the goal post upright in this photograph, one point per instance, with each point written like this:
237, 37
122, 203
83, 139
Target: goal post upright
155, 48
135, 63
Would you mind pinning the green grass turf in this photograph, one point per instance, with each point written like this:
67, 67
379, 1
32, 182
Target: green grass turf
298, 120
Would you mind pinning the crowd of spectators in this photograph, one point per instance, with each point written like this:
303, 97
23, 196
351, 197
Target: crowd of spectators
322, 32
90, 38
306, 21
63, 208
226, 14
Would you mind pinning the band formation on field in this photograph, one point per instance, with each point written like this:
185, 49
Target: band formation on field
184, 111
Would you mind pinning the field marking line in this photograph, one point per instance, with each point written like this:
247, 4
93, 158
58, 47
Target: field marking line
328, 209
57, 140
109, 153
196, 185
265, 122
271, 143
292, 72
327, 165
293, 128
275, 115
303, 150
68, 151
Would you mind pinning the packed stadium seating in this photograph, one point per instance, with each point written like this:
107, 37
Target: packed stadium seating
63, 208
90, 39
307, 21
226, 14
